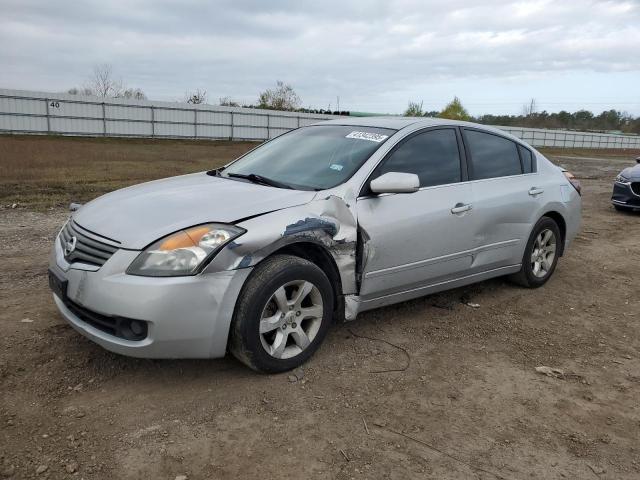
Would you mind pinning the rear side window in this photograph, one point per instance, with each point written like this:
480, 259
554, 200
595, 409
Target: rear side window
492, 156
432, 155
527, 159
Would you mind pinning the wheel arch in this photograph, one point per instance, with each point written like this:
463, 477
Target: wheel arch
319, 255
562, 226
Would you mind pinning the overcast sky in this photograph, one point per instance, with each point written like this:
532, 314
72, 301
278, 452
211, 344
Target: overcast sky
375, 55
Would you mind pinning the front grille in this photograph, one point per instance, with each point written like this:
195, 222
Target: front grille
87, 250
126, 328
635, 188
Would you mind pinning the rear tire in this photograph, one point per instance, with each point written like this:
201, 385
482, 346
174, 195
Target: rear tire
540, 255
282, 314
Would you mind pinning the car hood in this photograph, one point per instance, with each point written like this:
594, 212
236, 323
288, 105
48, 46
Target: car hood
139, 215
632, 173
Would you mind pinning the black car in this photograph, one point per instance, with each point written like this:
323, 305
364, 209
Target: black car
626, 189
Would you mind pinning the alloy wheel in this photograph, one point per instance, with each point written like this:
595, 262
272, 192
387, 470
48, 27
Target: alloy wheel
291, 319
544, 253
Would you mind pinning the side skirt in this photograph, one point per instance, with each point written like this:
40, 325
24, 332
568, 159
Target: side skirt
355, 304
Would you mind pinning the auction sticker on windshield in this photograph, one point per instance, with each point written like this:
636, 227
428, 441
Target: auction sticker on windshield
372, 137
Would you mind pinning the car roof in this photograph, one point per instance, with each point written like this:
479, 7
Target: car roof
398, 123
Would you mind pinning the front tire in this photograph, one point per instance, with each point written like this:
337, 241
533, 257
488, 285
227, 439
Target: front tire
282, 314
540, 255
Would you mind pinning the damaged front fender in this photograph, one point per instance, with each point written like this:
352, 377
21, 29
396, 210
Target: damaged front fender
327, 222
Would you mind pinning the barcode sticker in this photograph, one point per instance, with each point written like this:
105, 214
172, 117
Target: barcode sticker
372, 137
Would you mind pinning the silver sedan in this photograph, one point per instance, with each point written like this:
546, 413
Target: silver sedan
322, 223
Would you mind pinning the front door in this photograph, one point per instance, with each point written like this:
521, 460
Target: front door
416, 239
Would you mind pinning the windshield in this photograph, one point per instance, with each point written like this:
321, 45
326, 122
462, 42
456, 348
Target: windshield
311, 158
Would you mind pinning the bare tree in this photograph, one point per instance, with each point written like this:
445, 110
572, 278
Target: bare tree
283, 97
79, 91
196, 97
134, 93
103, 83
228, 102
529, 109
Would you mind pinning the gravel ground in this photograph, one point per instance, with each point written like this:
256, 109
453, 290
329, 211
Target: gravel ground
466, 403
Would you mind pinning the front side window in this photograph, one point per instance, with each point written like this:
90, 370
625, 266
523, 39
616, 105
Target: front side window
492, 156
432, 155
312, 158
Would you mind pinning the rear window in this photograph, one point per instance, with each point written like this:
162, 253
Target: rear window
527, 159
492, 156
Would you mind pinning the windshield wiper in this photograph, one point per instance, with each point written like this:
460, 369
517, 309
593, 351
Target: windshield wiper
254, 178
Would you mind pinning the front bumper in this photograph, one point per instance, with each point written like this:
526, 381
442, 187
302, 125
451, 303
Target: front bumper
187, 317
624, 196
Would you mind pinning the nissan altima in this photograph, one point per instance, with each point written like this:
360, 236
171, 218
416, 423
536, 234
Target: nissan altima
324, 222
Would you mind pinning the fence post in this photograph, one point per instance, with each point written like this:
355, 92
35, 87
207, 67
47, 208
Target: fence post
298, 118
268, 126
231, 137
104, 121
195, 122
153, 121
46, 102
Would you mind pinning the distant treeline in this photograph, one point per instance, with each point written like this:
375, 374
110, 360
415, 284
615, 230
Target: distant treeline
610, 120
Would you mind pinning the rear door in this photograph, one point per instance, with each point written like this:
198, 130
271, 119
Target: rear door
420, 238
506, 198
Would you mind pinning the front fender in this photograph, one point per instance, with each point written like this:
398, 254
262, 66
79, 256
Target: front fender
327, 222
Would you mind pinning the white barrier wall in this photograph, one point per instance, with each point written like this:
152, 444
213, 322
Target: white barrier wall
49, 113
54, 113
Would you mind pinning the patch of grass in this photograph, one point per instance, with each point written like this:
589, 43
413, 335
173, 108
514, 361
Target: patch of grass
40, 172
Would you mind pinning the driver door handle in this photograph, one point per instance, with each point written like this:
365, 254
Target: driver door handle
461, 208
533, 191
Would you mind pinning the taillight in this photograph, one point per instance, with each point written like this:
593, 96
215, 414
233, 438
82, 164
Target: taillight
573, 181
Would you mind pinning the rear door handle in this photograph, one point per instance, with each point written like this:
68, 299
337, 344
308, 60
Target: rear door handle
533, 191
460, 208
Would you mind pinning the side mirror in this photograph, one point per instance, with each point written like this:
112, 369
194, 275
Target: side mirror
395, 182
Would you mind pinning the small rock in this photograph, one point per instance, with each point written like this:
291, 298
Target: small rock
181, 477
71, 467
14, 205
296, 375
26, 320
550, 372
80, 414
473, 305
597, 470
41, 469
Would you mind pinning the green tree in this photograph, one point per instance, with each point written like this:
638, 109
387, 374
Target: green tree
455, 111
283, 97
414, 110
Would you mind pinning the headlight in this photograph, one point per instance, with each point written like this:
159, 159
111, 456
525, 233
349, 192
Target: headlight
185, 252
622, 179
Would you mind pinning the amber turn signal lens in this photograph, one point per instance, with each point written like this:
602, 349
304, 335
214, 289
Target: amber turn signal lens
177, 240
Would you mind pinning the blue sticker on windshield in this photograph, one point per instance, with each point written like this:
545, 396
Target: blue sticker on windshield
335, 166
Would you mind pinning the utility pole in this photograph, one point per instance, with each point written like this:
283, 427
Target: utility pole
338, 102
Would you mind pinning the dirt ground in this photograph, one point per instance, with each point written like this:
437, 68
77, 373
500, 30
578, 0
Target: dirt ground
465, 403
